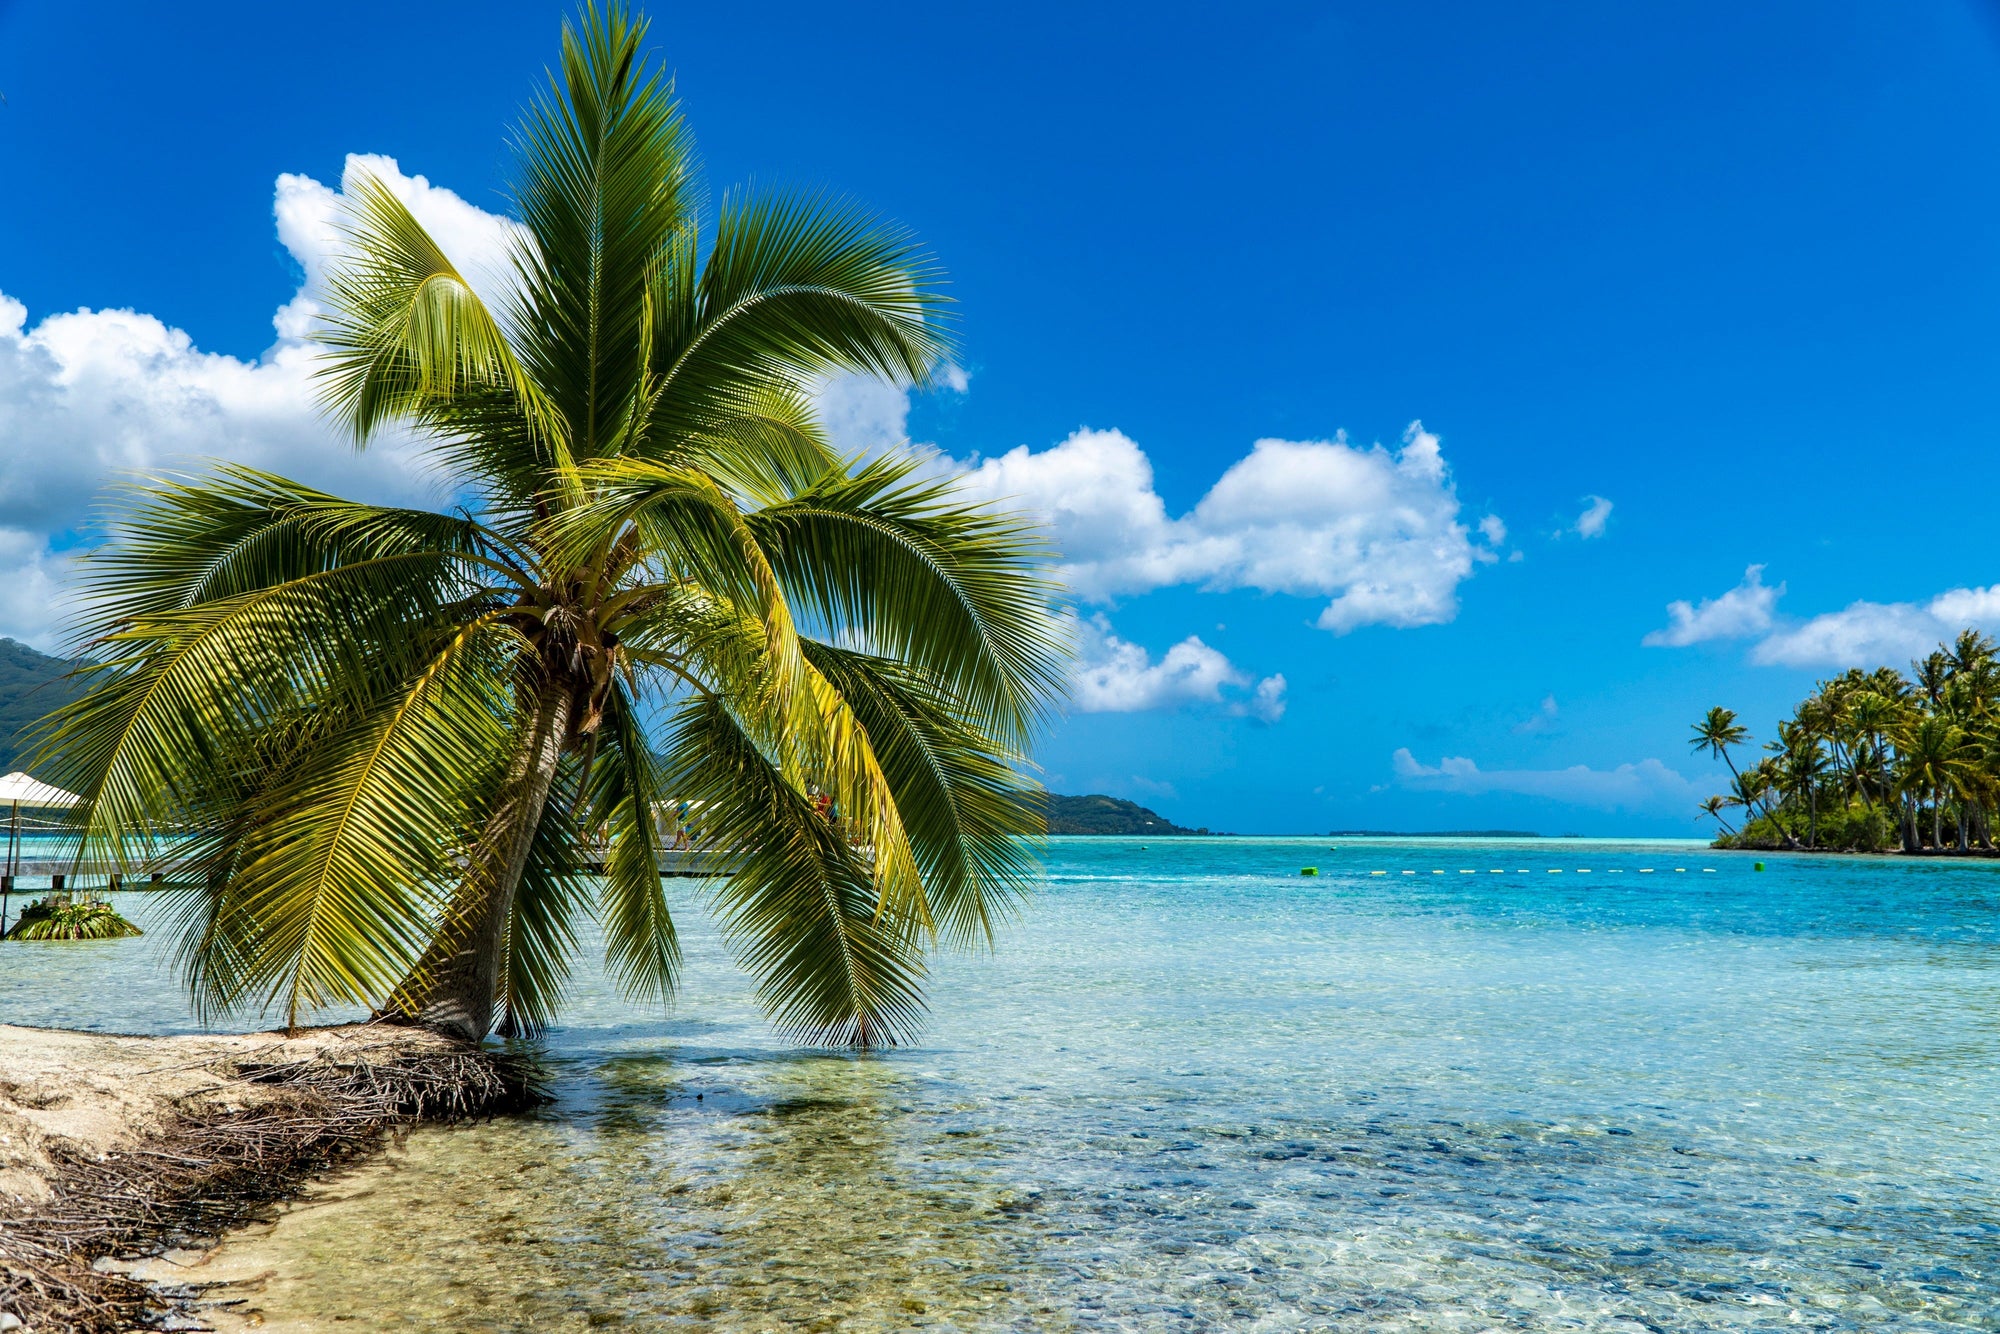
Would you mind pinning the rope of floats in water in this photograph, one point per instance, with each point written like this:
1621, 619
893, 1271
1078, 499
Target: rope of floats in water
1553, 870
1557, 870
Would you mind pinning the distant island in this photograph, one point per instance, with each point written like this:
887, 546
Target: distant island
1099, 814
1437, 833
31, 685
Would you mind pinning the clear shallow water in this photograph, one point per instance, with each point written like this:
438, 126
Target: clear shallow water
1193, 1089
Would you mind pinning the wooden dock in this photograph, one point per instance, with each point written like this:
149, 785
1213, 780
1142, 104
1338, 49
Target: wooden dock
37, 875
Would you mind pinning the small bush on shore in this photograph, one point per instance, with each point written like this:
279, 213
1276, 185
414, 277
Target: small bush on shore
59, 917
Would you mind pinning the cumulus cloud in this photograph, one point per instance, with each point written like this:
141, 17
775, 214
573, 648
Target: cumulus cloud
31, 578
1542, 720
1267, 702
1743, 611
1377, 529
480, 244
1590, 523
1114, 675
1872, 634
865, 414
88, 395
1648, 786
1862, 634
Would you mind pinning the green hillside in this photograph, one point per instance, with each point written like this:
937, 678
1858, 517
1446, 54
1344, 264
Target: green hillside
30, 686
1099, 814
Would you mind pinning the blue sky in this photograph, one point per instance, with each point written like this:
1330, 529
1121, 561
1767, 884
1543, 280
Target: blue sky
1736, 273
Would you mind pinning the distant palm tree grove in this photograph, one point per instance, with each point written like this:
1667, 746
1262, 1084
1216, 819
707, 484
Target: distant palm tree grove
401, 757
1872, 761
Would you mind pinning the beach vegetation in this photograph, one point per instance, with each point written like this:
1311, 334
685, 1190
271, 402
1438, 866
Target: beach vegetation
404, 755
70, 917
1872, 761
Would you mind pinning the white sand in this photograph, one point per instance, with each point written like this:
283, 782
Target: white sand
91, 1093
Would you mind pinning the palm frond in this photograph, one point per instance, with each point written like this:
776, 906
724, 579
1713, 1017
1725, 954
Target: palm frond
336, 884
407, 338
922, 575
973, 820
641, 949
767, 445
800, 722
175, 692
177, 543
607, 187
797, 285
800, 909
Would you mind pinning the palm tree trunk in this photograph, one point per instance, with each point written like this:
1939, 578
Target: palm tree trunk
1937, 820
453, 987
1738, 779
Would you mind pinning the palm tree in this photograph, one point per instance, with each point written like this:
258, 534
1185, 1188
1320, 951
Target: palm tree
1804, 762
1713, 807
391, 737
1972, 654
1762, 780
1870, 714
1716, 733
1751, 788
1936, 756
1931, 675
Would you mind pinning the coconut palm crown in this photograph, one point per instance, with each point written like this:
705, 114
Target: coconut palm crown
389, 743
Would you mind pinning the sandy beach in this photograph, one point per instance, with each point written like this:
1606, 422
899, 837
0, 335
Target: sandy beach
114, 1149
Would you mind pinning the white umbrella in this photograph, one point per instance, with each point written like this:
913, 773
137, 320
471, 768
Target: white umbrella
18, 790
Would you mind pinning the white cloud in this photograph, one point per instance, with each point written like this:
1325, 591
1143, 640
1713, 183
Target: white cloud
863, 414
1648, 786
1743, 611
1377, 529
1596, 514
1267, 702
91, 394
88, 396
1113, 675
31, 578
1873, 634
479, 244
1544, 718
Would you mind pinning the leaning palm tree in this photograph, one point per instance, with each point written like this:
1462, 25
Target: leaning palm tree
1716, 733
389, 743
1713, 807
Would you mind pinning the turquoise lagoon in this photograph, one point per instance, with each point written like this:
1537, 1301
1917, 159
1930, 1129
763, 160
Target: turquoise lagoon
1192, 1089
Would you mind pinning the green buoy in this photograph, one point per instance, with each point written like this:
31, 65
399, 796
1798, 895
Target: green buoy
1309, 870
1760, 866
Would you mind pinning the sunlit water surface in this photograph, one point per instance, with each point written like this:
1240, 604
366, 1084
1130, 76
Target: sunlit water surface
1192, 1089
